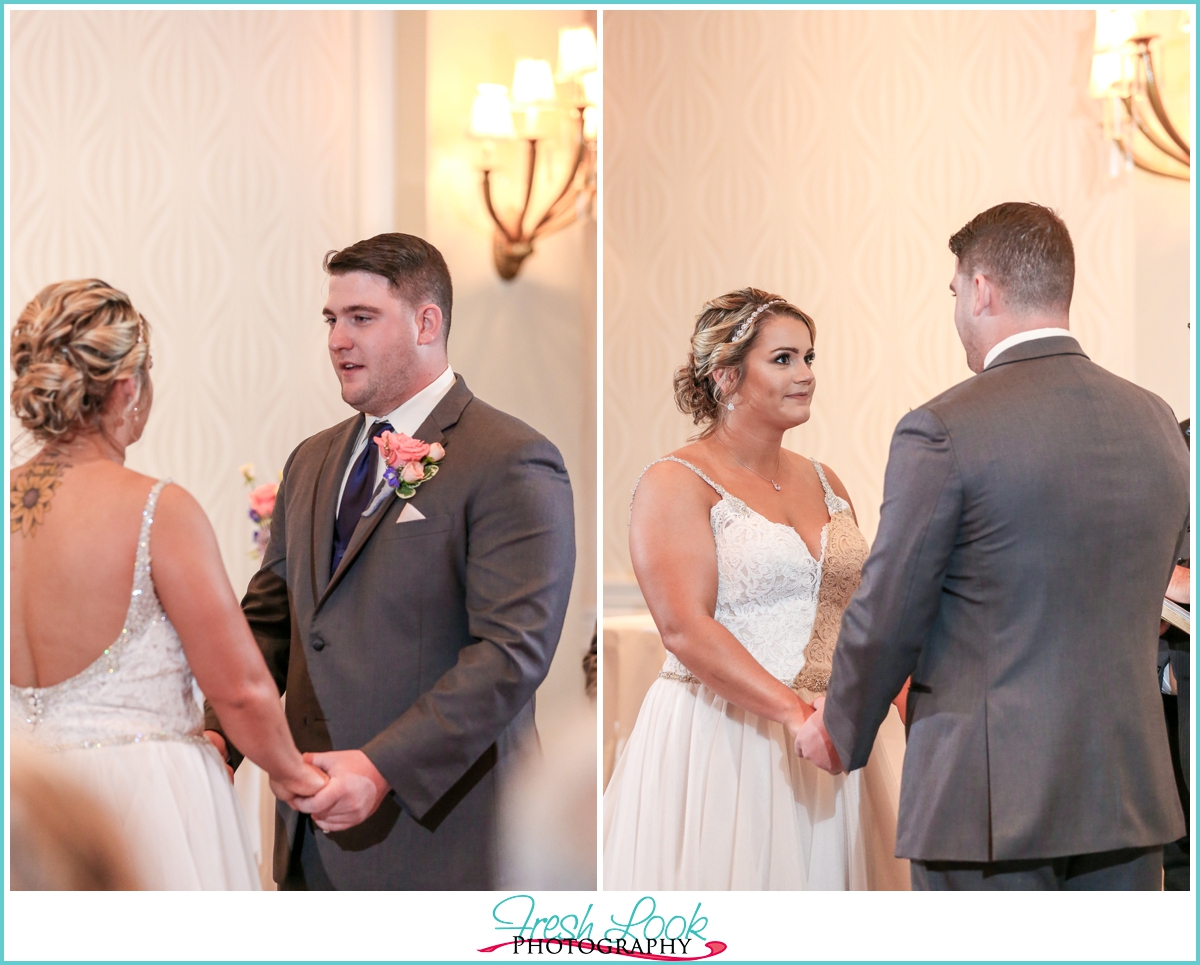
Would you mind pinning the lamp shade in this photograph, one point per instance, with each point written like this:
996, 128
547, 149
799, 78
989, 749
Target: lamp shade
576, 52
533, 83
491, 115
1113, 28
591, 87
1108, 74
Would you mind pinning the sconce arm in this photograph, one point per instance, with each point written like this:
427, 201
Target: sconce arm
579, 155
528, 191
1156, 103
487, 200
1169, 149
1155, 169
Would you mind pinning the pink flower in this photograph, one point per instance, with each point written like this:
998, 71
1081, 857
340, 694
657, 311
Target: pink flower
412, 472
262, 499
436, 452
397, 448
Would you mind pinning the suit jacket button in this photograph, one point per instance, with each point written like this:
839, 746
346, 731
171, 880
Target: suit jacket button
318, 643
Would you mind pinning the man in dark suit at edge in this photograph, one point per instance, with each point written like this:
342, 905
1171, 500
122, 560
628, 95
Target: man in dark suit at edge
409, 634
1030, 522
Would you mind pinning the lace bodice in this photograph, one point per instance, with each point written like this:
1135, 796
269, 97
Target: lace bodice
783, 605
138, 689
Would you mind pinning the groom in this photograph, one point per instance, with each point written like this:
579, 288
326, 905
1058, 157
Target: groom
409, 635
1031, 519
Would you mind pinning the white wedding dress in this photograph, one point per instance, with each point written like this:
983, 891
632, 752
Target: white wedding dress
706, 796
129, 731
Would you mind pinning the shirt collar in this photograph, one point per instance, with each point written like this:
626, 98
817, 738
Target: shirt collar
408, 415
1005, 344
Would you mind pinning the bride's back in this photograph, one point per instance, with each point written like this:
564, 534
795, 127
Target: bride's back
81, 361
71, 564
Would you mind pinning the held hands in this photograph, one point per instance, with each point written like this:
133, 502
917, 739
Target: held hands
813, 743
354, 791
794, 722
301, 785
309, 781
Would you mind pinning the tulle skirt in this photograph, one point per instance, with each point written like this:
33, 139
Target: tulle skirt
706, 796
177, 809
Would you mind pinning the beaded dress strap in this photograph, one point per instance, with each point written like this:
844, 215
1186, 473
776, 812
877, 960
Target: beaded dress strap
821, 473
833, 501
681, 462
143, 602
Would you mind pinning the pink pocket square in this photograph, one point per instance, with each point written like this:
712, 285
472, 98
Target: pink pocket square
409, 513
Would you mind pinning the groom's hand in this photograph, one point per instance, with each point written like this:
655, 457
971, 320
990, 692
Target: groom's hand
218, 742
354, 791
813, 741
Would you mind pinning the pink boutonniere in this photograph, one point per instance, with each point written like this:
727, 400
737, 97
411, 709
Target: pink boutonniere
410, 462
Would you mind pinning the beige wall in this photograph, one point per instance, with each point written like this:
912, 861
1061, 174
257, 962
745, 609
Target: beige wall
527, 346
204, 162
828, 156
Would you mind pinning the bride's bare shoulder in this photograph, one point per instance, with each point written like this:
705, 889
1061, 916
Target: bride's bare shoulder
178, 507
668, 479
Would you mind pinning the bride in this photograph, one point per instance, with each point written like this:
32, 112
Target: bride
746, 554
119, 596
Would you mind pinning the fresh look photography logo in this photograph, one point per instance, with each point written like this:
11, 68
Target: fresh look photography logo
645, 931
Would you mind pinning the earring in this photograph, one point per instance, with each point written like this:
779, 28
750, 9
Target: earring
729, 406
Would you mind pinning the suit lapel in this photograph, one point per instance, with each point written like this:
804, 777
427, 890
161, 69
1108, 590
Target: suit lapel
444, 415
329, 481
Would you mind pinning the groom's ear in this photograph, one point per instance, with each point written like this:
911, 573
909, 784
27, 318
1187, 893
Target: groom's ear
986, 302
428, 318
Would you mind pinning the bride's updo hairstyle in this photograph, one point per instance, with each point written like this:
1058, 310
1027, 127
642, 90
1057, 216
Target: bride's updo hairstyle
725, 331
70, 345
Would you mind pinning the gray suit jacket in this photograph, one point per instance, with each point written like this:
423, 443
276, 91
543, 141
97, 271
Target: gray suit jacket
1031, 518
425, 647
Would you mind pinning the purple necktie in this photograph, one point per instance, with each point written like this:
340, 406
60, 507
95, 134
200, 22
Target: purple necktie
359, 486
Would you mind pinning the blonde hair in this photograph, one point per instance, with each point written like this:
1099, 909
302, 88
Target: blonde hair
725, 331
70, 345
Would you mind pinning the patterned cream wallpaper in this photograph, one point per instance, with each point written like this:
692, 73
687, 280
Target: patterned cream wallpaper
828, 156
203, 162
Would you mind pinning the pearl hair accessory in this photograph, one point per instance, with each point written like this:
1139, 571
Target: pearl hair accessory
740, 332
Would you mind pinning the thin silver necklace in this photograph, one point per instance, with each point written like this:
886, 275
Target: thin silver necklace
755, 471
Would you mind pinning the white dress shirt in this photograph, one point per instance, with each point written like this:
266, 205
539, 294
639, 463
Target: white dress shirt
406, 417
1007, 343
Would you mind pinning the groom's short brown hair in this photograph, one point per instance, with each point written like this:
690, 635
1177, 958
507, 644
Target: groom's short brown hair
1025, 249
413, 267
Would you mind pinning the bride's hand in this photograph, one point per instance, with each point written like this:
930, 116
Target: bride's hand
796, 718
307, 782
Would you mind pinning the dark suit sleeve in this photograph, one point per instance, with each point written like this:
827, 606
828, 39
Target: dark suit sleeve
267, 609
886, 623
519, 566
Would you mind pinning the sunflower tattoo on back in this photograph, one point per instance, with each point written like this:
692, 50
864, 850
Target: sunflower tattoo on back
29, 498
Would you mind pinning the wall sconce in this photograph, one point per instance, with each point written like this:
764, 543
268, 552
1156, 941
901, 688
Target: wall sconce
532, 115
1124, 76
